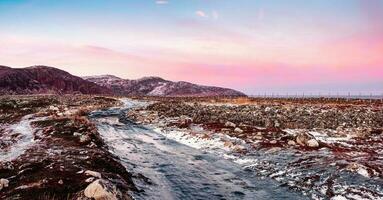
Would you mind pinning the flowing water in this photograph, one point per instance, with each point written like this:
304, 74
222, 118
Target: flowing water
177, 171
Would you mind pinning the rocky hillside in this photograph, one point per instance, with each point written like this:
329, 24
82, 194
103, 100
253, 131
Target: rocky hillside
45, 80
156, 86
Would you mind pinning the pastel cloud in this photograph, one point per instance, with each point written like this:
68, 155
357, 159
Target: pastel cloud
201, 13
212, 15
161, 2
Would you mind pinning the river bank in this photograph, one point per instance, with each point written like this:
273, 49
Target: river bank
50, 150
323, 150
78, 147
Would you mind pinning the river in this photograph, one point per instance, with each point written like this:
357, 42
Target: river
176, 171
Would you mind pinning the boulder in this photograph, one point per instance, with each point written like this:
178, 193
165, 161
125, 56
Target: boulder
77, 134
185, 121
306, 139
291, 142
313, 143
238, 130
53, 108
230, 124
257, 137
3, 183
274, 150
101, 190
358, 168
84, 139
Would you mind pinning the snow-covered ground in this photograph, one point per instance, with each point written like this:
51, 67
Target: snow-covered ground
275, 163
24, 138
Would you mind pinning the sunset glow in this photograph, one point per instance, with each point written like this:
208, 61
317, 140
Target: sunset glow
255, 46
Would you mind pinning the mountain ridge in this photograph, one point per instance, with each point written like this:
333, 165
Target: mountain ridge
41, 79
157, 86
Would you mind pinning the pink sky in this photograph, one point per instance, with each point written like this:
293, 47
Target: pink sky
261, 52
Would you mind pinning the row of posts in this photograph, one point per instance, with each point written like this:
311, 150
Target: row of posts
329, 96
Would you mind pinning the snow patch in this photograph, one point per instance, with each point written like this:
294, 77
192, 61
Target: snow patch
26, 131
214, 143
159, 90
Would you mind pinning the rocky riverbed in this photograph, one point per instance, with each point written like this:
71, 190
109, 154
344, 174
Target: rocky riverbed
50, 150
87, 147
323, 149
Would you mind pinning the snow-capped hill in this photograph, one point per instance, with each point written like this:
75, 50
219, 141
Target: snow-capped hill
157, 86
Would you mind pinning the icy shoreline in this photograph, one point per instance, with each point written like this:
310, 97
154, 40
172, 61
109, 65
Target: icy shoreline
321, 163
24, 136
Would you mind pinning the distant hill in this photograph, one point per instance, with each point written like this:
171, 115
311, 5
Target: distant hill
45, 80
49, 80
156, 86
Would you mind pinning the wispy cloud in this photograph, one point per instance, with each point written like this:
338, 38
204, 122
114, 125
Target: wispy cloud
201, 13
211, 15
161, 2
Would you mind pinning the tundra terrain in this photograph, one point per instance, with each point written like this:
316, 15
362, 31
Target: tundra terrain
94, 147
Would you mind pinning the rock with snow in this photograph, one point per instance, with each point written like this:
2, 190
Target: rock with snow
93, 173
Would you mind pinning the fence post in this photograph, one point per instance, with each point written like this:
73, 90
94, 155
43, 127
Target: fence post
370, 97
